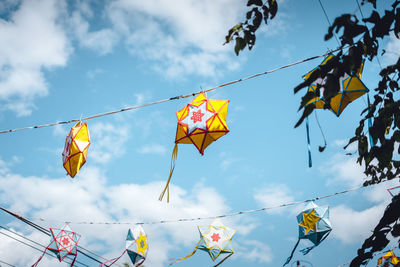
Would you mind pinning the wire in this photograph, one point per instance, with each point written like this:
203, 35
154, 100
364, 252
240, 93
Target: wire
171, 98
47, 253
47, 232
216, 216
327, 18
7, 263
17, 234
362, 15
375, 254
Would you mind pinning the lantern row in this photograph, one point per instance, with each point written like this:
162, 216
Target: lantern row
172, 98
396, 190
215, 239
203, 120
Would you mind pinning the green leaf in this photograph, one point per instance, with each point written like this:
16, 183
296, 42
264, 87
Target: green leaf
254, 2
240, 45
273, 8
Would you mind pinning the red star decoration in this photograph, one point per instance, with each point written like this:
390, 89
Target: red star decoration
215, 237
197, 116
65, 241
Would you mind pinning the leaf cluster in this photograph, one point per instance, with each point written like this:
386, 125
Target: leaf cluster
244, 33
388, 224
381, 159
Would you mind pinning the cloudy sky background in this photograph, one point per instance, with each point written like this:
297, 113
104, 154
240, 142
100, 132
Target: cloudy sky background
62, 60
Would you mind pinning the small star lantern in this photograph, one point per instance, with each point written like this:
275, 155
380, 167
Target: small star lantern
214, 239
314, 225
200, 123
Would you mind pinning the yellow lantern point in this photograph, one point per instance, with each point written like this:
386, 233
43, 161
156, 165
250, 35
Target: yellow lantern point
351, 88
200, 123
76, 148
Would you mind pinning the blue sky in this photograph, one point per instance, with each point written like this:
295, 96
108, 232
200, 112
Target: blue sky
62, 60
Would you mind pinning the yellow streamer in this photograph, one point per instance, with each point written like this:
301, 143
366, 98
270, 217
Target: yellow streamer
184, 258
173, 160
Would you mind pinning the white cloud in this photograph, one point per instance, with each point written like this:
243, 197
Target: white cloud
343, 169
102, 41
392, 50
253, 250
153, 149
89, 198
107, 141
180, 37
23, 55
273, 195
351, 226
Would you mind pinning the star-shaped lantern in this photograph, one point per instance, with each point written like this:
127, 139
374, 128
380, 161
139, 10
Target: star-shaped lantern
351, 88
63, 242
200, 123
136, 246
314, 225
388, 260
76, 148
214, 239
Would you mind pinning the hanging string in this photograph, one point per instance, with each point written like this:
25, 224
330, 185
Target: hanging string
322, 132
36, 243
47, 232
375, 254
172, 98
308, 143
327, 18
362, 15
209, 217
7, 263
36, 248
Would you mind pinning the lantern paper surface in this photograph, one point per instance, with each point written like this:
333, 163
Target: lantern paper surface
76, 148
201, 122
215, 239
387, 260
351, 88
136, 245
63, 242
314, 225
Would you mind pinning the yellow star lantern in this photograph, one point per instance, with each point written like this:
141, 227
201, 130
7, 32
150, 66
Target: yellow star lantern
200, 123
216, 239
136, 247
76, 148
351, 88
314, 225
387, 260
309, 221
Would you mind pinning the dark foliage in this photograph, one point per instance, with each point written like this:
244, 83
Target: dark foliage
360, 40
244, 33
389, 223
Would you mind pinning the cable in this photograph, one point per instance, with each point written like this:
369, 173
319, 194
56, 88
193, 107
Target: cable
171, 98
330, 24
17, 234
7, 263
362, 15
375, 254
47, 232
47, 253
217, 216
